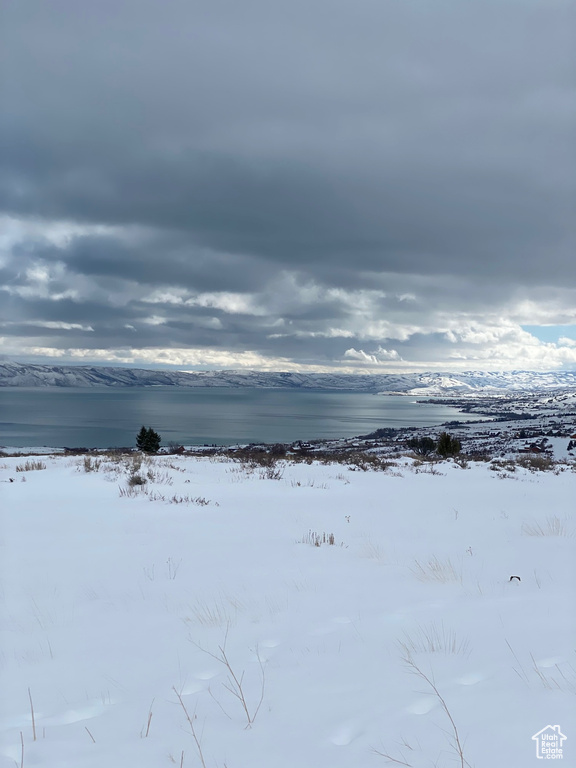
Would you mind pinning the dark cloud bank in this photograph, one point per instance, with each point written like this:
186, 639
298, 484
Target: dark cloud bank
303, 185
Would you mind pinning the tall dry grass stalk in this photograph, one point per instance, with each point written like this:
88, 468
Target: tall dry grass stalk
442, 571
456, 741
192, 728
32, 712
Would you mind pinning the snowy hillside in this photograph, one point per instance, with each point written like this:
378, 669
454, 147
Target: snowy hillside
422, 384
192, 620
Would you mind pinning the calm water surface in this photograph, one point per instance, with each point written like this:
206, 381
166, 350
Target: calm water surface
104, 417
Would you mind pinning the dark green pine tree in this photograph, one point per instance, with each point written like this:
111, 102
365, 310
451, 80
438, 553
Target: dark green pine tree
141, 439
448, 445
148, 440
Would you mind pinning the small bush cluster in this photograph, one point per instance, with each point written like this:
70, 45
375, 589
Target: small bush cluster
90, 464
30, 466
536, 462
425, 468
363, 461
271, 473
503, 465
136, 479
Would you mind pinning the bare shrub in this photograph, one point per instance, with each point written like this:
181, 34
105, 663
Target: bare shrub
136, 479
310, 483
199, 501
91, 465
271, 473
235, 681
536, 462
363, 462
160, 478
502, 465
425, 468
30, 466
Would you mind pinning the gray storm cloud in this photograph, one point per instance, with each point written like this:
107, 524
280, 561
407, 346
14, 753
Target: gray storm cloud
309, 184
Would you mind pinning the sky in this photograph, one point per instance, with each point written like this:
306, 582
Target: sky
363, 186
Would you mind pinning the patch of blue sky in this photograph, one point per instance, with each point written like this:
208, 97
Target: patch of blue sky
551, 333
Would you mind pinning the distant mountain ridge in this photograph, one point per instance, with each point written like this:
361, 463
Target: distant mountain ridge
421, 384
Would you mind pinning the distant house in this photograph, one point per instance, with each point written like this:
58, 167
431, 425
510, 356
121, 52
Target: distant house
536, 447
531, 448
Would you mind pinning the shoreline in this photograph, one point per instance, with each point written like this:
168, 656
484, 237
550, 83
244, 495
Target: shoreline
549, 434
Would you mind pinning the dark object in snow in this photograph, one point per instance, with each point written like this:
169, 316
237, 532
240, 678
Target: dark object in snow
515, 577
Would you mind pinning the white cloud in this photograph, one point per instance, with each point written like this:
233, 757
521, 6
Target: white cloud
379, 357
226, 301
154, 320
331, 333
51, 324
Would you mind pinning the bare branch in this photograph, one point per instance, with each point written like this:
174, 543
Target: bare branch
192, 728
456, 737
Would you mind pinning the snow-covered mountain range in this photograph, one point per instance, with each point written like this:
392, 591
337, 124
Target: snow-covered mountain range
420, 384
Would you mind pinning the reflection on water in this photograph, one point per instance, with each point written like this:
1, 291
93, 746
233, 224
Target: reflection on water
104, 417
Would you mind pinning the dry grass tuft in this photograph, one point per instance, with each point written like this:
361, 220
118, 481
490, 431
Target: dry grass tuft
218, 614
317, 539
434, 639
437, 570
554, 526
30, 466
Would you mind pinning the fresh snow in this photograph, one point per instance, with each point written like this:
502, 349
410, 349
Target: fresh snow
420, 384
113, 605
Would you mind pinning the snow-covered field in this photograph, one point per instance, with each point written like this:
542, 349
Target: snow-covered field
120, 614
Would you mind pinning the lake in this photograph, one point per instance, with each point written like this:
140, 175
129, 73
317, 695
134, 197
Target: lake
103, 417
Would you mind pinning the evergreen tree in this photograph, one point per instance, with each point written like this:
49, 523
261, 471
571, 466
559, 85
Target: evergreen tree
148, 440
448, 445
423, 446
